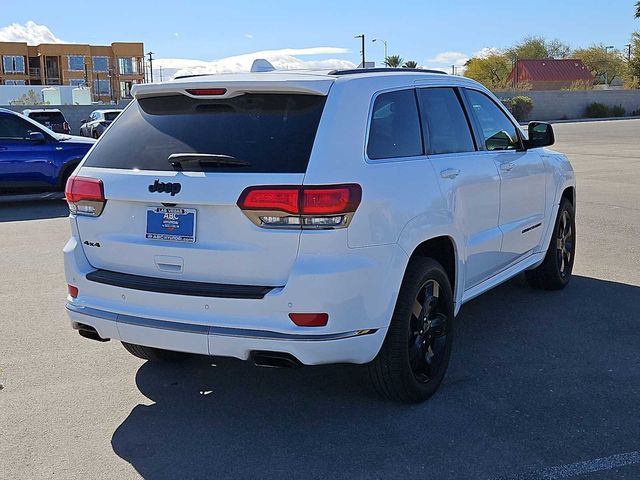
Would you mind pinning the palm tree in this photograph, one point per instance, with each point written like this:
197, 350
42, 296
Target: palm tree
637, 9
410, 64
393, 61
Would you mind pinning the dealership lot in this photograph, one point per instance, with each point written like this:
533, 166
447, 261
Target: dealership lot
537, 379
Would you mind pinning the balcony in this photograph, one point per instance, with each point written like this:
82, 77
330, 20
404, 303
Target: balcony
34, 72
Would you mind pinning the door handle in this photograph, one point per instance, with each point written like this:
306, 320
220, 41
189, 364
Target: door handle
450, 173
3, 148
508, 166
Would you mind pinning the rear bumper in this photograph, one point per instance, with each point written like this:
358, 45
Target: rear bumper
357, 288
357, 346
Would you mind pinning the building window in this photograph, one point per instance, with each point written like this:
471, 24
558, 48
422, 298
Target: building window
76, 63
128, 65
13, 63
102, 87
77, 82
100, 64
15, 82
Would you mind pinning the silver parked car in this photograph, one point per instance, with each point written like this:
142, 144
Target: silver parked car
98, 122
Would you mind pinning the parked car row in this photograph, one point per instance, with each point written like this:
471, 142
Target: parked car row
54, 119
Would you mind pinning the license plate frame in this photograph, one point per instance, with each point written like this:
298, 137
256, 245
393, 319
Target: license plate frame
171, 224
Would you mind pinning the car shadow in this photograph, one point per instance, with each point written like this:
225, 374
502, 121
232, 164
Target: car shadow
536, 379
33, 210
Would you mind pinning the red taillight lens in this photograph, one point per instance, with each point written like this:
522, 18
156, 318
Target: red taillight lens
283, 199
85, 195
207, 91
309, 319
65, 126
73, 291
331, 200
324, 206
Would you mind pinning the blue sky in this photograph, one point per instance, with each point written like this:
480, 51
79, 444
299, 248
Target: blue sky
419, 30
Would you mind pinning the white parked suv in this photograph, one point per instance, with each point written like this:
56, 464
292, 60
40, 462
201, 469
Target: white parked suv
311, 218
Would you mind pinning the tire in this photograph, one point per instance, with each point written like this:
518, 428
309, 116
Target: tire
415, 354
95, 135
65, 175
154, 354
554, 273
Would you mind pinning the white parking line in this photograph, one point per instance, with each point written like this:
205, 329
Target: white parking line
580, 468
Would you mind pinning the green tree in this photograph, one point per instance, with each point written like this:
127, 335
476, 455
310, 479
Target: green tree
538, 48
637, 9
604, 65
394, 61
492, 70
632, 77
410, 64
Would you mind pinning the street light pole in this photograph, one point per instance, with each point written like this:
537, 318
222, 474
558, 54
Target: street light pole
150, 53
606, 72
361, 36
385, 49
628, 45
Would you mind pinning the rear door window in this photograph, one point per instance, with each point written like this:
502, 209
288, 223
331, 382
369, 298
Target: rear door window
444, 121
395, 126
274, 133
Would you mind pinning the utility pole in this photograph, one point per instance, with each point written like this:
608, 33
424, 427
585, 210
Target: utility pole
606, 72
361, 36
150, 53
628, 45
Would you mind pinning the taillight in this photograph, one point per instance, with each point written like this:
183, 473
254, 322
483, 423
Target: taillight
85, 196
308, 207
65, 127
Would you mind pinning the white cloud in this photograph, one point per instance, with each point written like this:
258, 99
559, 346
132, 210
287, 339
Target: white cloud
485, 52
30, 32
283, 59
249, 36
450, 58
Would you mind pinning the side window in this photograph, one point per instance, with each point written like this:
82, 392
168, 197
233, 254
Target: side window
498, 131
395, 126
444, 121
14, 128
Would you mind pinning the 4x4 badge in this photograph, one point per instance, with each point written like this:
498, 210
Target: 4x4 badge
162, 187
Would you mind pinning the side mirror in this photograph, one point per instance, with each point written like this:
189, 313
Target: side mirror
36, 137
540, 135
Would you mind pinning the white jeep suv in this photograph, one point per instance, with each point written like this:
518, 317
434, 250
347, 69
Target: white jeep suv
312, 217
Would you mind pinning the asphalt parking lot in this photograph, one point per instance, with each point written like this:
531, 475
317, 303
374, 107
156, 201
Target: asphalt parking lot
541, 385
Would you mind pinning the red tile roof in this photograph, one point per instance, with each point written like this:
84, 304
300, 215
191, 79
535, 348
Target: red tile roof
550, 70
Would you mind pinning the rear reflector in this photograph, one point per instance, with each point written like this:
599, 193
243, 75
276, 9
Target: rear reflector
309, 319
207, 91
85, 196
324, 206
73, 291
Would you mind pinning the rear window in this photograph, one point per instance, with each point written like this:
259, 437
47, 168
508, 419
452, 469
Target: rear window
52, 118
111, 116
272, 132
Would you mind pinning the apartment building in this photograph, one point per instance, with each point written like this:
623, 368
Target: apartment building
109, 71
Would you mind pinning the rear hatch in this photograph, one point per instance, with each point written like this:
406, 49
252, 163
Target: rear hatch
181, 220
52, 120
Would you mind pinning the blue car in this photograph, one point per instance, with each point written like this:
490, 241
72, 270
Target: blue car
34, 158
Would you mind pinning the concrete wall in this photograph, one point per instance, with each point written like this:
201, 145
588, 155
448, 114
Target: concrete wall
569, 104
73, 113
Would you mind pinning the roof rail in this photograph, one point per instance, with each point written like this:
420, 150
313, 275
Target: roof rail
354, 71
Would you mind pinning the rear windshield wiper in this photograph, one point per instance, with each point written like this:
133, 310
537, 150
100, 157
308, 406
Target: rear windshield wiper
179, 159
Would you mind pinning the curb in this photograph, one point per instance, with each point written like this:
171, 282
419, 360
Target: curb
583, 120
